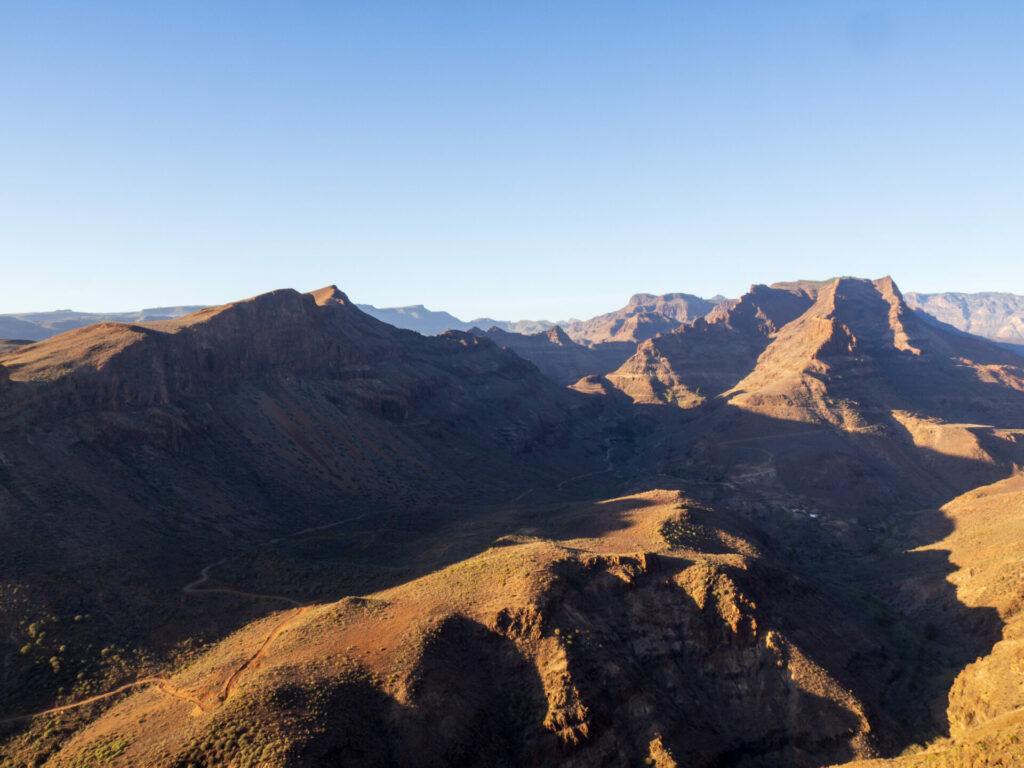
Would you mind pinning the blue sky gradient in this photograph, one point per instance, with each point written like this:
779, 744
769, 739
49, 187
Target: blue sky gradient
538, 160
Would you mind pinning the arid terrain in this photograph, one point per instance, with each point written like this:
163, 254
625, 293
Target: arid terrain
784, 530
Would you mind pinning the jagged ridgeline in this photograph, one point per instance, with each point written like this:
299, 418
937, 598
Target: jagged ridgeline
782, 530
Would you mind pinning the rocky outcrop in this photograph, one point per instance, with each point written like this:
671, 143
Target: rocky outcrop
804, 350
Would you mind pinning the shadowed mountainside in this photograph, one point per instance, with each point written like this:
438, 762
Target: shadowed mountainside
985, 709
557, 356
416, 543
644, 634
130, 455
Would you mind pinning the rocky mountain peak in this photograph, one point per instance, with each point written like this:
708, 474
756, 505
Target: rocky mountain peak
556, 335
329, 295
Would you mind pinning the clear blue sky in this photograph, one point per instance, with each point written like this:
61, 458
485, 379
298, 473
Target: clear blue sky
511, 159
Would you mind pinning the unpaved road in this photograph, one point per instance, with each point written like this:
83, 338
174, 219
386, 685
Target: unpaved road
162, 683
196, 588
193, 588
232, 681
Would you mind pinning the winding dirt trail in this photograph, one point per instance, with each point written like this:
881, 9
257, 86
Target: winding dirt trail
196, 588
232, 681
162, 683
193, 588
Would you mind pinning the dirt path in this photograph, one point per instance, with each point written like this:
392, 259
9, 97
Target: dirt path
314, 528
162, 683
232, 681
193, 588
196, 588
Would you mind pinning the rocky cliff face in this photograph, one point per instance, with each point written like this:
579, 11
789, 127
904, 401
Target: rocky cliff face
802, 390
787, 349
114, 365
139, 371
270, 364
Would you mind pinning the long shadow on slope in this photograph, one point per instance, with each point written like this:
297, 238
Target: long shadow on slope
389, 549
646, 662
846, 510
472, 700
109, 513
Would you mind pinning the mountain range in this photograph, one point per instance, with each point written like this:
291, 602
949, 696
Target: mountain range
36, 326
778, 530
995, 316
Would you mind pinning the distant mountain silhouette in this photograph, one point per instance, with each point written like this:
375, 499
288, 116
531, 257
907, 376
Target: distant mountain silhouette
430, 323
644, 317
36, 326
996, 316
